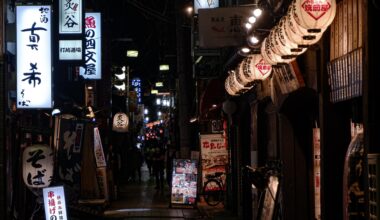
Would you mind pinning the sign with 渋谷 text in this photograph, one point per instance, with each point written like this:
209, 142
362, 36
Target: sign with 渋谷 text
55, 203
92, 55
70, 50
34, 66
70, 16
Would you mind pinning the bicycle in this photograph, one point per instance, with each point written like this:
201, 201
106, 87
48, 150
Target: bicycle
213, 189
267, 180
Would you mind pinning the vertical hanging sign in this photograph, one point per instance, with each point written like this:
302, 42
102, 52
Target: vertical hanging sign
70, 16
70, 28
93, 65
34, 66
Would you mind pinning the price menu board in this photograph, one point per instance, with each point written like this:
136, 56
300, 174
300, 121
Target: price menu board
184, 181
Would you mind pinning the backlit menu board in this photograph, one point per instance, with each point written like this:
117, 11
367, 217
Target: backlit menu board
184, 181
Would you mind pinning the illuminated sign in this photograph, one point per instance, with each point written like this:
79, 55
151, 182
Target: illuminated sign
154, 91
34, 65
70, 16
37, 166
55, 203
159, 84
205, 4
93, 65
164, 67
136, 83
132, 53
70, 50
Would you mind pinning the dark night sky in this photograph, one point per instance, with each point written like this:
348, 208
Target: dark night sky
151, 25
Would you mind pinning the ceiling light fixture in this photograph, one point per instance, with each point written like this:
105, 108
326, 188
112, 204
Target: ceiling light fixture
252, 19
245, 50
253, 40
248, 26
257, 12
164, 67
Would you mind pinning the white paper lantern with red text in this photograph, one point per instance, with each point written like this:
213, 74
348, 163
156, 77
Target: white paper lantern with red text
314, 15
120, 122
37, 166
297, 34
253, 68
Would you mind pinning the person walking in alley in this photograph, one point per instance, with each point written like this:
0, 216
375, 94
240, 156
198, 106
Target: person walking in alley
159, 165
138, 160
114, 165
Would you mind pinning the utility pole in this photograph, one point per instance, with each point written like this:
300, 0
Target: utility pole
185, 82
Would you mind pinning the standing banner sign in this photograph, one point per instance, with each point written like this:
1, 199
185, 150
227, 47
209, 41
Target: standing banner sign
214, 155
55, 203
69, 134
184, 181
34, 65
98, 149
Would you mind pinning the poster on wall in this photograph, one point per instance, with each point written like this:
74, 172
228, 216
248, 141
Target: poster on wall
214, 155
184, 182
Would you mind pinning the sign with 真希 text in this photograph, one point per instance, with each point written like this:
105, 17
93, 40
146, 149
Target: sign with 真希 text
34, 65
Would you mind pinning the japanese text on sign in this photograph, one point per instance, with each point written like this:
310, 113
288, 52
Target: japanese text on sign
34, 56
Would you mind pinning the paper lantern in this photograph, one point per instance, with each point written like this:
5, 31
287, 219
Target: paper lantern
120, 122
253, 68
314, 15
228, 88
233, 87
296, 33
284, 46
37, 166
267, 51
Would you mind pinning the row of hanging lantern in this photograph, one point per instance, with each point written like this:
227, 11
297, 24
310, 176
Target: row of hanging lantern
302, 26
253, 68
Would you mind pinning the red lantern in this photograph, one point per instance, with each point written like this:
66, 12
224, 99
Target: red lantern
37, 166
314, 15
120, 122
254, 67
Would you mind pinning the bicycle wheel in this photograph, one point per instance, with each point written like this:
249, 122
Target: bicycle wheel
213, 192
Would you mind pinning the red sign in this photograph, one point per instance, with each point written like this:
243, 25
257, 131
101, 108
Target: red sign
263, 67
316, 8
